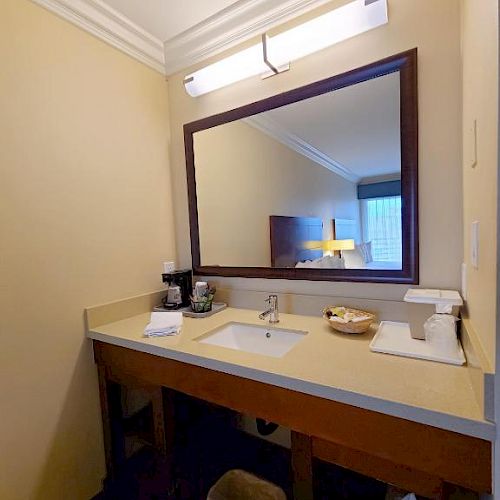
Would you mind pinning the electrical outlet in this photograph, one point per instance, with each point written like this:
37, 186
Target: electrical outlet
168, 267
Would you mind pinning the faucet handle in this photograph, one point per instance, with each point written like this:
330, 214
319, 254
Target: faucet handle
272, 298
272, 312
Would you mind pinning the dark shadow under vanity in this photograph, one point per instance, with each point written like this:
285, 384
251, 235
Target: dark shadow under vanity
206, 445
413, 456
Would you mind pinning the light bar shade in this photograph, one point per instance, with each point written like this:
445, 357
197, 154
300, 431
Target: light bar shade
337, 25
328, 29
248, 62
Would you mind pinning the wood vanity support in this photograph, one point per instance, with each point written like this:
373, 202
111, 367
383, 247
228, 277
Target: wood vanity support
161, 414
302, 458
408, 454
111, 413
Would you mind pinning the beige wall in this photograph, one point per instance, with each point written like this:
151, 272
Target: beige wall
243, 176
433, 27
480, 103
85, 217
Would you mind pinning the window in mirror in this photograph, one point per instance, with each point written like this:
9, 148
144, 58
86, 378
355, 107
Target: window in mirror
381, 223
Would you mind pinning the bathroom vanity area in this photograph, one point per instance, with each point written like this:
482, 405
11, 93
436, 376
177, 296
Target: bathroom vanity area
412, 423
320, 184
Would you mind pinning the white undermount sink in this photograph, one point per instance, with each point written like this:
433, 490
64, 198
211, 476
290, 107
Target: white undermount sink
265, 340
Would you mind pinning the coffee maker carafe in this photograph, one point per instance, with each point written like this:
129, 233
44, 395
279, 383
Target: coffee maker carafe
180, 284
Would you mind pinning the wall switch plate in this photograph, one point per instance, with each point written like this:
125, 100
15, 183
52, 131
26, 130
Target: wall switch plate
464, 281
474, 244
471, 144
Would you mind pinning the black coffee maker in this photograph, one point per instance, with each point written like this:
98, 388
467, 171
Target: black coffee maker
183, 278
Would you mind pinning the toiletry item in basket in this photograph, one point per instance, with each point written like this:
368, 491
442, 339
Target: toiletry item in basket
200, 289
202, 298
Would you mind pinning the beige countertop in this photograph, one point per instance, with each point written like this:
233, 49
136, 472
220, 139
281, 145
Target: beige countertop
327, 364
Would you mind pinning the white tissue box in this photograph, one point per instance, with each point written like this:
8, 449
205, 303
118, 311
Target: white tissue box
423, 303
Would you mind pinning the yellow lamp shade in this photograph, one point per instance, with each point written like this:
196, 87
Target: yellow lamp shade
329, 245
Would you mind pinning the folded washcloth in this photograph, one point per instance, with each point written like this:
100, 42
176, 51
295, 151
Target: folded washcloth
164, 323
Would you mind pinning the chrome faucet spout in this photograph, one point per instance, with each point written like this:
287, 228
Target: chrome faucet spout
272, 312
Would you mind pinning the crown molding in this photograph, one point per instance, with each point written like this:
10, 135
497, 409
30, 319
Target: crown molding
96, 17
272, 129
230, 27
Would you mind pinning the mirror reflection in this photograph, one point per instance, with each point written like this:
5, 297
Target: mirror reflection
313, 184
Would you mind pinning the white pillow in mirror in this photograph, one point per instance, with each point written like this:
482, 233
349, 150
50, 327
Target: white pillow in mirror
366, 251
332, 262
369, 257
353, 258
326, 262
305, 263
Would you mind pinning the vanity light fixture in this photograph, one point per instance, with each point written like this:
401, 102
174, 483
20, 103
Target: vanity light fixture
273, 54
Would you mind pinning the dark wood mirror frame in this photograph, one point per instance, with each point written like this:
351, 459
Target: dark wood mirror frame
406, 64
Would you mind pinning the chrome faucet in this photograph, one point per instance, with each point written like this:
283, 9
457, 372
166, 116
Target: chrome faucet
272, 312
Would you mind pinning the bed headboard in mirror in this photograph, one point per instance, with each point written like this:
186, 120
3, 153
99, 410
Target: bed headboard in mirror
317, 183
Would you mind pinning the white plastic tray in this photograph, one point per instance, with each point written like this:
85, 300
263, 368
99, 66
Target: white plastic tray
394, 338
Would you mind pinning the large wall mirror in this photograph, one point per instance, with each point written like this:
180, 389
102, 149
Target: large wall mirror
317, 183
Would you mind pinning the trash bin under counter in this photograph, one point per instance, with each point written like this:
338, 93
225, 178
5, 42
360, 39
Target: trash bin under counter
423, 303
241, 485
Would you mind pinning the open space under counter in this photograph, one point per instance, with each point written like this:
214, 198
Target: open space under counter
411, 422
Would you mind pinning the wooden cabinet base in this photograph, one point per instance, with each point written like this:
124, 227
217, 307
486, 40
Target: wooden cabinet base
421, 483
302, 470
414, 456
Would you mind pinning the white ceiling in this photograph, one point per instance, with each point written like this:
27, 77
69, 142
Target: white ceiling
172, 35
354, 131
165, 19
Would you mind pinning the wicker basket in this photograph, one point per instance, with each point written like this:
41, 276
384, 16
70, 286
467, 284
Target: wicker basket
350, 326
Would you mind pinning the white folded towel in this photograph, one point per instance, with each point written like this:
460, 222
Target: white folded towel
164, 323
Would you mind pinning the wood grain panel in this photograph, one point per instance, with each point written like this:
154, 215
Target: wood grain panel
421, 483
288, 235
459, 459
302, 466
